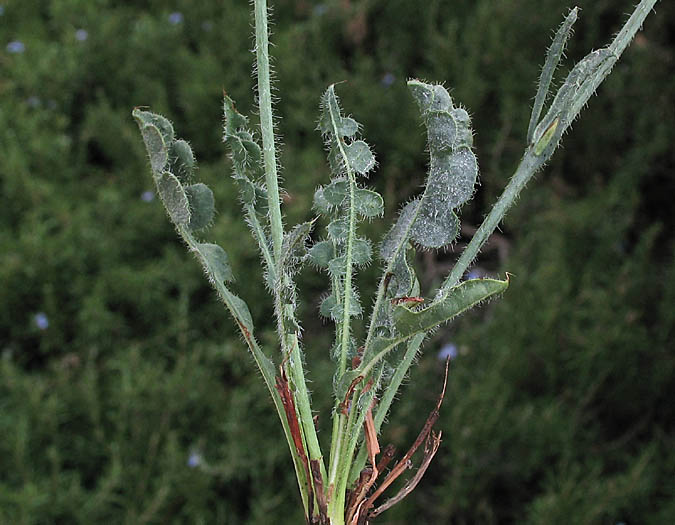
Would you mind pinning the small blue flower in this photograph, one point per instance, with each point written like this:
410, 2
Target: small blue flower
33, 101
81, 35
320, 10
388, 79
194, 460
448, 351
16, 46
175, 18
474, 274
2, 10
147, 196
41, 320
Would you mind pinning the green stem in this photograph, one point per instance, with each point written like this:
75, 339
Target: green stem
388, 396
304, 406
267, 126
530, 162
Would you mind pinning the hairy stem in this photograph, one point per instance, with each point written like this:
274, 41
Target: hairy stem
531, 162
267, 126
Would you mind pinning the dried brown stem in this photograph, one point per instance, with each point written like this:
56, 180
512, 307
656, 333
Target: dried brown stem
405, 462
281, 384
430, 449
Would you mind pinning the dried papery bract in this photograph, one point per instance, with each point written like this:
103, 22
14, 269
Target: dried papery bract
368, 373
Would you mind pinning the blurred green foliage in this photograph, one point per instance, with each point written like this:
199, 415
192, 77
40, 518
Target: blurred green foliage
125, 396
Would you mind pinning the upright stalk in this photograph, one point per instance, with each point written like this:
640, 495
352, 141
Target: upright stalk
267, 126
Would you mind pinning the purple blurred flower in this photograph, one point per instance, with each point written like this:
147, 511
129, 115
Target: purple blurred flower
33, 101
474, 274
194, 460
176, 18
16, 46
448, 350
388, 79
147, 196
81, 35
41, 320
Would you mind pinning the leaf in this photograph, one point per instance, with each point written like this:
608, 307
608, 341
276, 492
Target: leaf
454, 302
156, 147
430, 97
338, 230
328, 304
359, 157
322, 253
233, 119
336, 192
457, 300
331, 309
337, 267
200, 198
174, 198
320, 202
441, 130
161, 123
185, 159
553, 56
368, 203
293, 245
216, 262
362, 252
464, 135
452, 178
400, 232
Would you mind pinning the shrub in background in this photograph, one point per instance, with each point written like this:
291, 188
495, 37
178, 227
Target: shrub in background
71, 241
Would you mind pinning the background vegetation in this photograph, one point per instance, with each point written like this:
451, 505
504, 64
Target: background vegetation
125, 396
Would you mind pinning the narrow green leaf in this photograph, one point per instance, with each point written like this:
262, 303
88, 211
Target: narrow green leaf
553, 56
174, 198
456, 301
202, 206
410, 322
